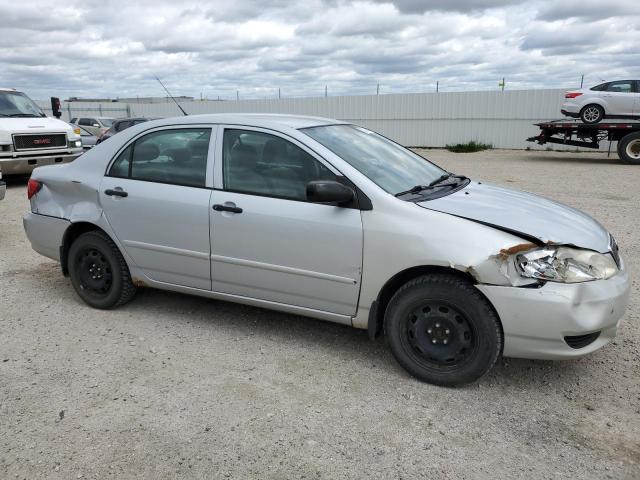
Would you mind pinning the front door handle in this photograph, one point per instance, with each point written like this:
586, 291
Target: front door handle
226, 208
116, 193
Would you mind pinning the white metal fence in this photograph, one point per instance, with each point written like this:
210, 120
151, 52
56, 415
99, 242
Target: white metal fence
503, 119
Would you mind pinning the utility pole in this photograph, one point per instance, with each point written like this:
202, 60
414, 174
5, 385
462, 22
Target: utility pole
378, 90
325, 90
237, 95
501, 84
279, 93
582, 81
437, 86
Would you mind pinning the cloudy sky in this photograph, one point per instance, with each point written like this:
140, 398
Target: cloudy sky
105, 48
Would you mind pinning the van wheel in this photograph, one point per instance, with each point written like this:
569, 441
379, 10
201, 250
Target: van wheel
629, 148
442, 330
99, 272
592, 113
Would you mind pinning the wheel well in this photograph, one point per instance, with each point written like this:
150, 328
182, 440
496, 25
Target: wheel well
73, 232
592, 103
378, 309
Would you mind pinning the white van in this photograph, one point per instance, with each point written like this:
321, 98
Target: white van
29, 139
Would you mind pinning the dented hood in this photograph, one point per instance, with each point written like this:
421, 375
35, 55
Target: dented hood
524, 213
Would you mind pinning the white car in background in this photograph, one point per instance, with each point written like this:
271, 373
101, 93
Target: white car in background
618, 99
94, 125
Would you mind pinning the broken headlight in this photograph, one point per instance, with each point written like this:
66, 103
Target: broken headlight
565, 264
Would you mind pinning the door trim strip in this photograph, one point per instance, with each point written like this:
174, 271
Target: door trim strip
279, 268
163, 249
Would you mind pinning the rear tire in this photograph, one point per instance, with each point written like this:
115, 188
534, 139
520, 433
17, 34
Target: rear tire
592, 113
629, 148
442, 330
99, 272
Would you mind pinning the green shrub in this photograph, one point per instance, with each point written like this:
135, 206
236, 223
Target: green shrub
469, 147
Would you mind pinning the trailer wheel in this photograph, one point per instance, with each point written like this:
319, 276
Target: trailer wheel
629, 148
592, 113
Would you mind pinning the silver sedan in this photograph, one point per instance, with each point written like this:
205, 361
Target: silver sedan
329, 220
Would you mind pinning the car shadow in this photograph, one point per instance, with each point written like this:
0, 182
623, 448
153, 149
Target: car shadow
344, 342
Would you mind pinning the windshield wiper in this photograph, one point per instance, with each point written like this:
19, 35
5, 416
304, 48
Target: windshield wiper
440, 179
416, 189
419, 188
21, 115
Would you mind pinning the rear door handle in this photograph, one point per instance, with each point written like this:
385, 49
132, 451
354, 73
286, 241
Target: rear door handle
226, 208
116, 193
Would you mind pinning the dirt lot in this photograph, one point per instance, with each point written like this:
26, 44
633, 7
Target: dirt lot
172, 386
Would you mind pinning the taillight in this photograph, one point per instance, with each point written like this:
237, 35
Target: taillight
572, 94
33, 187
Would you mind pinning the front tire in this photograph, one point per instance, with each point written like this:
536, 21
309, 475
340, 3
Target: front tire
442, 330
99, 272
592, 113
629, 148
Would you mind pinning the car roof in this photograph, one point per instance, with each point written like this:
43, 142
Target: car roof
265, 120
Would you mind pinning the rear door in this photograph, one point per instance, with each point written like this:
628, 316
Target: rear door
156, 198
267, 241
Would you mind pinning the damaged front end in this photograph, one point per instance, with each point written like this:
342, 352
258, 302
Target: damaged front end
530, 264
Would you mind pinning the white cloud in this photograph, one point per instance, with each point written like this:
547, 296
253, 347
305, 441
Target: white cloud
114, 48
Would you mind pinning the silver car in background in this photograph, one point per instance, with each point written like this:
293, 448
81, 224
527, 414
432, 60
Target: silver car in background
329, 220
618, 99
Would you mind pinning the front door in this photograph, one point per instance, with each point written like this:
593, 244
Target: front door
267, 241
620, 97
156, 199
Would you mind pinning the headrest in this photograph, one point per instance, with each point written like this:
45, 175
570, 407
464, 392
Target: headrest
178, 155
146, 151
244, 156
274, 150
199, 147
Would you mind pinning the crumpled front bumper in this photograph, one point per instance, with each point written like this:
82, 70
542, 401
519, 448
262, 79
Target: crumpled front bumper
536, 320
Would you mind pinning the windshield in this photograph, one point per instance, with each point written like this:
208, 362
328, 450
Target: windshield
392, 167
17, 104
107, 122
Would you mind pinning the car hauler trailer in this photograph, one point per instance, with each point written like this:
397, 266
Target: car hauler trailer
579, 134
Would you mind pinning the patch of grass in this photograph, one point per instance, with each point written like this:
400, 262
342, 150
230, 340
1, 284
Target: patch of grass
469, 147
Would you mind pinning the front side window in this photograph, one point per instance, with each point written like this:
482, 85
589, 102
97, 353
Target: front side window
390, 166
87, 122
262, 164
166, 156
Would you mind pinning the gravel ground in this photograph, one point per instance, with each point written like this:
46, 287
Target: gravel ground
171, 386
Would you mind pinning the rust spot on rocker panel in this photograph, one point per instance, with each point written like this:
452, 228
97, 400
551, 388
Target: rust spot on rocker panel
138, 283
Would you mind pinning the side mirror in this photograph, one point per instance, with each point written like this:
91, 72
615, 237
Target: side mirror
329, 191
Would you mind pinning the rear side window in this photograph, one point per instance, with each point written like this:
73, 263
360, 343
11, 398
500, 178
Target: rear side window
600, 88
176, 157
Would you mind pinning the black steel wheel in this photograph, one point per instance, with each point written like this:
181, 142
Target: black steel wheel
442, 330
440, 334
99, 272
